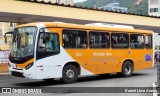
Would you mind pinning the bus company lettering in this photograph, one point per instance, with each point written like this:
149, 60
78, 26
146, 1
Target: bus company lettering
79, 54
102, 54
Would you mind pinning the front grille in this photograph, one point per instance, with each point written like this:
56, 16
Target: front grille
17, 74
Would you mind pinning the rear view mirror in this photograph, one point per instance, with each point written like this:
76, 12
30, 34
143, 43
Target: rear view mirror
5, 36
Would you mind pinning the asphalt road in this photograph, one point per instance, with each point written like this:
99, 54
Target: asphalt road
144, 78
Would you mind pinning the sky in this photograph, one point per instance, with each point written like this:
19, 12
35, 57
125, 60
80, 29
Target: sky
75, 1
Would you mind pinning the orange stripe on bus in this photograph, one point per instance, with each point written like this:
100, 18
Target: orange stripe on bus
23, 65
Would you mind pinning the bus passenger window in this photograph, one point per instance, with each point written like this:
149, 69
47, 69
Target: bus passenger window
148, 41
120, 40
136, 41
99, 40
74, 39
48, 42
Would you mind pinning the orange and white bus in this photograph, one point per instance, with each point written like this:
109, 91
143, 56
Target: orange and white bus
51, 50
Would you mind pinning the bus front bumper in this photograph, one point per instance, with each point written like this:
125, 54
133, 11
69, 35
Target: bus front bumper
21, 73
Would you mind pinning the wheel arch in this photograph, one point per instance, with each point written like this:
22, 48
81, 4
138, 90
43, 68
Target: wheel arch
77, 65
130, 60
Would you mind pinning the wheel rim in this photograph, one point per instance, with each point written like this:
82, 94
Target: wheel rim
70, 74
128, 69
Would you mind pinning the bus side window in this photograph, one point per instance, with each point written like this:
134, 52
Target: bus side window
120, 40
132, 44
99, 39
105, 40
137, 41
148, 41
75, 39
48, 42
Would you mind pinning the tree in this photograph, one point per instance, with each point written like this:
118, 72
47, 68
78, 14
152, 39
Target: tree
133, 7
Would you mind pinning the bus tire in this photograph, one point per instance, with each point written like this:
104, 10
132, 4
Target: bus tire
70, 74
127, 69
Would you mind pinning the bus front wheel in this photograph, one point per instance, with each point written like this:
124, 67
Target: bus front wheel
127, 69
70, 74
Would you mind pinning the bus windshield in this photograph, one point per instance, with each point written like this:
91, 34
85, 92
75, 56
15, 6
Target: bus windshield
23, 42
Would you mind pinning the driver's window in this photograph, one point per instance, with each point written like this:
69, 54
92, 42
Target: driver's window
48, 42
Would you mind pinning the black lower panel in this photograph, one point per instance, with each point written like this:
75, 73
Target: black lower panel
17, 74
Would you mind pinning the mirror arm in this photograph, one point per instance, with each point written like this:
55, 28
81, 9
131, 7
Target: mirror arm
5, 37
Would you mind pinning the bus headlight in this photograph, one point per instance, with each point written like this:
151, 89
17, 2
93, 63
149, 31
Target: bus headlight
29, 66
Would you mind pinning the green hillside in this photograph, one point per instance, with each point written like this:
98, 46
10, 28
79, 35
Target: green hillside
134, 6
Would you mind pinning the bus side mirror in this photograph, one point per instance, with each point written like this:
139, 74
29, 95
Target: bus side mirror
5, 36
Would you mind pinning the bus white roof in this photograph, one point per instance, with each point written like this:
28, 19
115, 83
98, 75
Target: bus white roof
110, 25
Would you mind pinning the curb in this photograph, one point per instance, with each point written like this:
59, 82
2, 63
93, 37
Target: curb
1, 74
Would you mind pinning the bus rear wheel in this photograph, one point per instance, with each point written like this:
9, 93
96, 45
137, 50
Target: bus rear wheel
127, 69
70, 74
